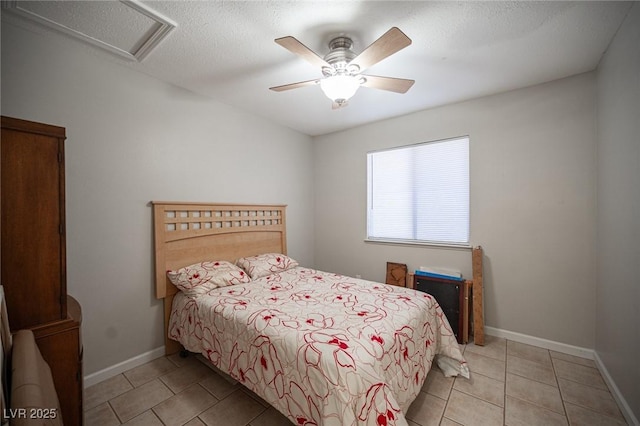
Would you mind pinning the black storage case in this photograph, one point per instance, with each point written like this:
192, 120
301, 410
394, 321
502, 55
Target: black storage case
450, 296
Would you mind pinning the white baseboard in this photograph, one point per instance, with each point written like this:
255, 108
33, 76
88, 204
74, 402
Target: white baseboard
571, 350
543, 343
622, 403
109, 372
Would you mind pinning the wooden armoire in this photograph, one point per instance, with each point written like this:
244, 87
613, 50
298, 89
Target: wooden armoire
33, 253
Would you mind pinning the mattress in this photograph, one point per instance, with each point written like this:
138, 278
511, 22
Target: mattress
322, 348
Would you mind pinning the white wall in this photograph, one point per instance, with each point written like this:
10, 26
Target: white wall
132, 139
618, 281
532, 155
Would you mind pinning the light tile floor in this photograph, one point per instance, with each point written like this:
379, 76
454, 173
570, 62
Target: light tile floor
511, 384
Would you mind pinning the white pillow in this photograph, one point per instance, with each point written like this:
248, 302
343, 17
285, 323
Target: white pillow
266, 264
199, 278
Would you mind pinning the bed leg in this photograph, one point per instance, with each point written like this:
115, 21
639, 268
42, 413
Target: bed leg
184, 353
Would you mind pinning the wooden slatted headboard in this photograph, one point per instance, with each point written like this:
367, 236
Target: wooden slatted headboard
188, 233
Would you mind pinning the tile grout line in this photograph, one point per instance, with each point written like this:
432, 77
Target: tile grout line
555, 376
506, 360
444, 411
109, 400
114, 411
216, 400
573, 380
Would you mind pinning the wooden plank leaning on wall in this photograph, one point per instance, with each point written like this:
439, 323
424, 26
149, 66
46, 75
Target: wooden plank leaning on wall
478, 318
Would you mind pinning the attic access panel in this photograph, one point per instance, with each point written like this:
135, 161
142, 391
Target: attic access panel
129, 29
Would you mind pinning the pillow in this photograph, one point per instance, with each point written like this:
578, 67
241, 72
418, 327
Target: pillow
199, 278
266, 264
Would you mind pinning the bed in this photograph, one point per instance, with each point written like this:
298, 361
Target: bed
322, 348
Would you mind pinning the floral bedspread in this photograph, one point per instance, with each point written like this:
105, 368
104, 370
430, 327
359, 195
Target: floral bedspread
322, 348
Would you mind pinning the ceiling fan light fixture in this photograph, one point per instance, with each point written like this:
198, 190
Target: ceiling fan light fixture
340, 88
341, 67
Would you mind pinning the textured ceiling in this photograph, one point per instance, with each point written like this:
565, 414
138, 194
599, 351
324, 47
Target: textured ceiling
461, 50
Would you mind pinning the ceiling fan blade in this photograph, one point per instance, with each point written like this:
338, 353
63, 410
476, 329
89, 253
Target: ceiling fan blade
398, 85
293, 45
295, 85
389, 43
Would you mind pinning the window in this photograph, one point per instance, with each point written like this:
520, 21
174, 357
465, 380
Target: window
419, 193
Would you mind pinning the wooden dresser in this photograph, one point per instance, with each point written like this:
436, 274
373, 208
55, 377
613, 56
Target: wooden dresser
33, 253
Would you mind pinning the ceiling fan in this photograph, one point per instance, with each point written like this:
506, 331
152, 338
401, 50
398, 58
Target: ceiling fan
342, 68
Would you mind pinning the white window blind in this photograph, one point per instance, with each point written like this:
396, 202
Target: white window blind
419, 193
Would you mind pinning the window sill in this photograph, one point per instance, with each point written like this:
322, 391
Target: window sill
418, 243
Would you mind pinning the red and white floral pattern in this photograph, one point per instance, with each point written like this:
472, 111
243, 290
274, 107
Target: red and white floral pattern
199, 278
266, 264
322, 348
